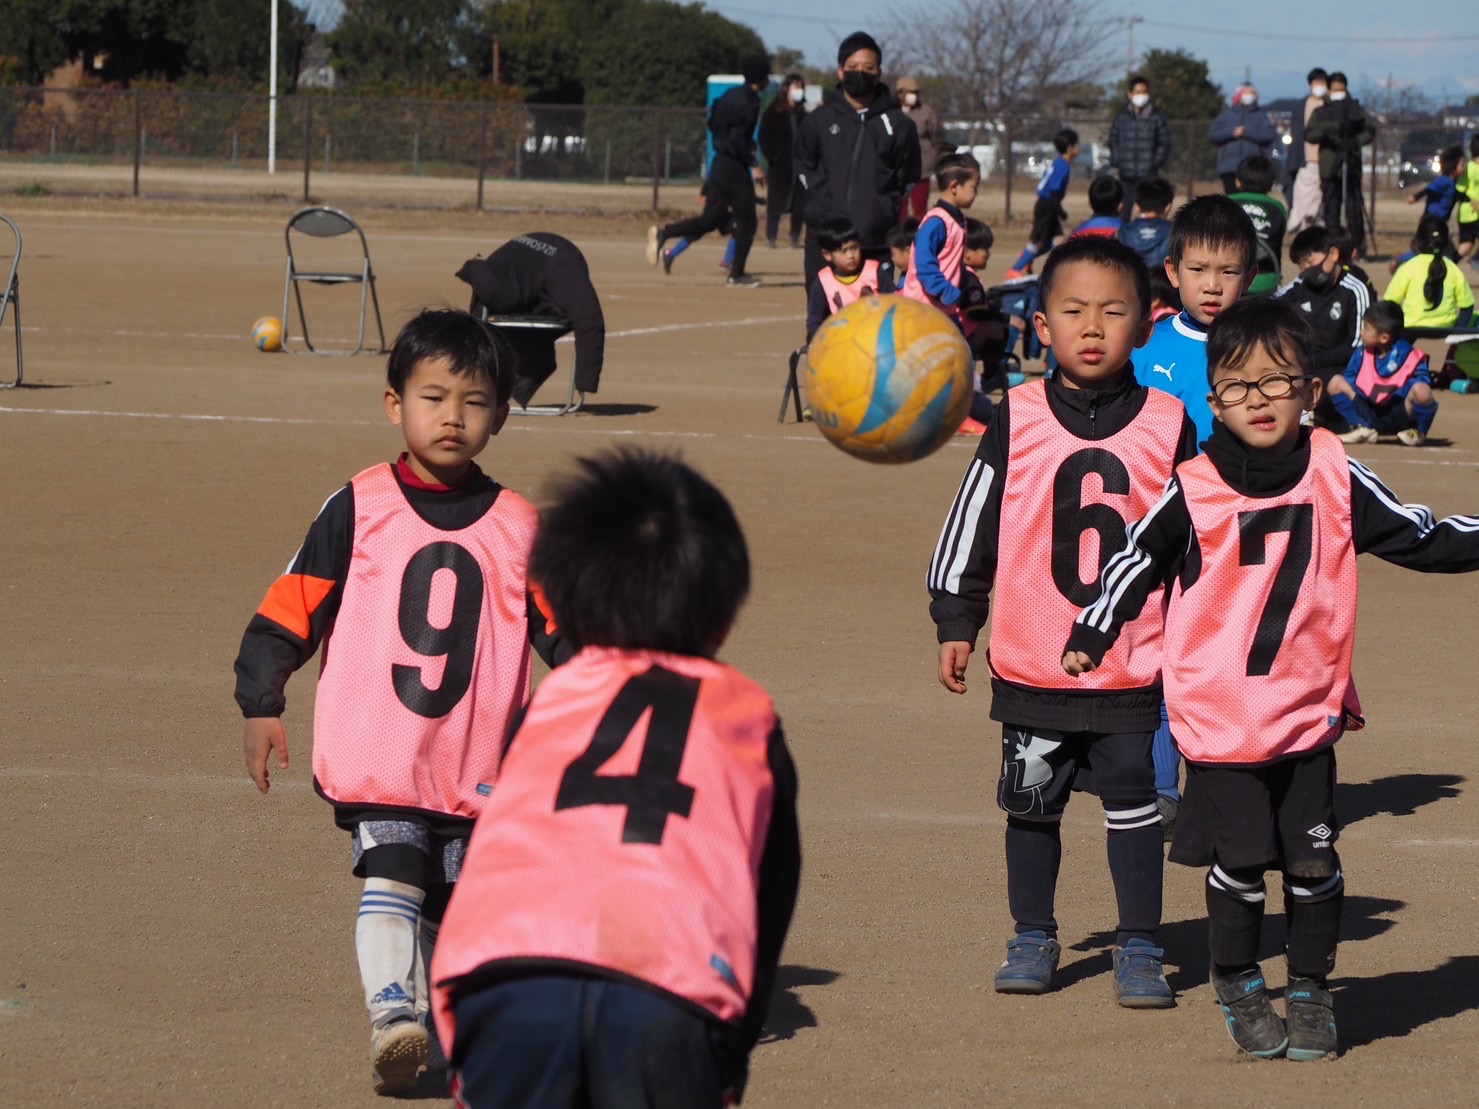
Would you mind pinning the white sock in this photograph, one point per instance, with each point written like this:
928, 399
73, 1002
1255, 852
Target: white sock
425, 947
385, 941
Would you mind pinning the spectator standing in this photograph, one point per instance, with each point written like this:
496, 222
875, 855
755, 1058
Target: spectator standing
856, 155
931, 145
1139, 141
1302, 186
1241, 131
1340, 129
778, 127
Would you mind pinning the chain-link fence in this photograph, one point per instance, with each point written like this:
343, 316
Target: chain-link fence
151, 141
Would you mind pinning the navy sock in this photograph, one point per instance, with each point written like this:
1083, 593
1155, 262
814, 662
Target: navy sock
1313, 908
1424, 415
1137, 865
1347, 409
1235, 904
1034, 850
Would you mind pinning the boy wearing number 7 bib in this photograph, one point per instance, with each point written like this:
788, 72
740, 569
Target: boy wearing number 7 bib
1258, 540
413, 577
1063, 467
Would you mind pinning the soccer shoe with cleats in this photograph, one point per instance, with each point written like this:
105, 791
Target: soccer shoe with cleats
1411, 437
1251, 1020
654, 244
398, 1052
1031, 960
971, 427
1139, 978
1359, 435
1311, 1020
742, 281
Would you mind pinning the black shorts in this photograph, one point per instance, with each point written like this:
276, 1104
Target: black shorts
1387, 420
1047, 224
1040, 767
1468, 232
1280, 816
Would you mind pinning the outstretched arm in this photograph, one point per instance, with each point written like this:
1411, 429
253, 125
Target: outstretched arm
1409, 535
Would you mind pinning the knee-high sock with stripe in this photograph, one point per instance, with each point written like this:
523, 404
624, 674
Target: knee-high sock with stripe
1024, 260
1312, 907
1136, 865
1235, 904
385, 940
1034, 850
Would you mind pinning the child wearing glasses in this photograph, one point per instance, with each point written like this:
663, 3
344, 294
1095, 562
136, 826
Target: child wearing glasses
1258, 538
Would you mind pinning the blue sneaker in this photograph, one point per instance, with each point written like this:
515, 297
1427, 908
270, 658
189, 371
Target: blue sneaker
1139, 979
1031, 960
1251, 1020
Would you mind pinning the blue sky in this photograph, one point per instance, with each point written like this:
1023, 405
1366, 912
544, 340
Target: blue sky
1280, 41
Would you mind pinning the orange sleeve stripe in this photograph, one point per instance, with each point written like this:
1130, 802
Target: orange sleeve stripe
541, 602
292, 601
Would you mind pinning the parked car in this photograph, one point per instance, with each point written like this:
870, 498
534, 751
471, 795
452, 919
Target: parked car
1417, 157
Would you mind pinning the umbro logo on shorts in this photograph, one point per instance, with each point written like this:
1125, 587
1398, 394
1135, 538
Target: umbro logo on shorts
1321, 834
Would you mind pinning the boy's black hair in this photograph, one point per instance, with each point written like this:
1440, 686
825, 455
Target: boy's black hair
1268, 322
471, 348
902, 234
1432, 238
638, 551
1137, 79
1309, 78
1064, 139
955, 169
1339, 76
1213, 221
1449, 159
833, 233
1256, 174
1343, 242
1154, 194
858, 40
1106, 196
977, 235
1162, 290
1386, 316
1312, 240
755, 69
1101, 251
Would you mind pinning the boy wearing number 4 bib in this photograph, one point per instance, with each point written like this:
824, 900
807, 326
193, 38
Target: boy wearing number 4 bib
1258, 540
615, 935
413, 577
1061, 469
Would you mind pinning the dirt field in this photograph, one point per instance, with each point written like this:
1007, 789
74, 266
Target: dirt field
169, 937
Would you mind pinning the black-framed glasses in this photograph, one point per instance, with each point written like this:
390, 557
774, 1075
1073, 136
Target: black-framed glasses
1273, 386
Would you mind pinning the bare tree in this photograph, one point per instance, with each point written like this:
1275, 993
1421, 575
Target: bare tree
1004, 55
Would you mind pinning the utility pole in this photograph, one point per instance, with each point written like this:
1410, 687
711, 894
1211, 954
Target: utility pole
1130, 21
272, 94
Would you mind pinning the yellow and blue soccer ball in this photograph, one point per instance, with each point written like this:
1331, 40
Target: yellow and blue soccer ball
267, 333
888, 379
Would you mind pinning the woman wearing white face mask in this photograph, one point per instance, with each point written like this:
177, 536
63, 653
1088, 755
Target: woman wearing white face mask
1139, 141
1241, 131
1302, 186
931, 145
778, 126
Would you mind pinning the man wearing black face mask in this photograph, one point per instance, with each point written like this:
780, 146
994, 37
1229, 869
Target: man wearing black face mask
857, 155
1333, 300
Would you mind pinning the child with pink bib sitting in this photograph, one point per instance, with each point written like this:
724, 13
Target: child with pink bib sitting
847, 276
1386, 388
413, 578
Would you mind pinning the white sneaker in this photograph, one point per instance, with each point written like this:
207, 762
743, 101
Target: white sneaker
654, 242
1411, 437
1359, 435
398, 1052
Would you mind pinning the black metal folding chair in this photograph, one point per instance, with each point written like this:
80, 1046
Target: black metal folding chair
792, 391
557, 324
328, 223
10, 297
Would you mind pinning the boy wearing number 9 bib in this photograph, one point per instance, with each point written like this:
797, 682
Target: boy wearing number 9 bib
1258, 539
414, 578
1062, 468
615, 934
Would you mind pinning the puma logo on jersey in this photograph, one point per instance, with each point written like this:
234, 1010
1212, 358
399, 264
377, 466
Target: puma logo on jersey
1165, 370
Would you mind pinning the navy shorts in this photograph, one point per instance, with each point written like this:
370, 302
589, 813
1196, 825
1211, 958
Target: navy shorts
1388, 419
1047, 225
1275, 817
1040, 767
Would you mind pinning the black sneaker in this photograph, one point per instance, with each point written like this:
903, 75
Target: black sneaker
1311, 1020
1251, 1020
743, 281
667, 261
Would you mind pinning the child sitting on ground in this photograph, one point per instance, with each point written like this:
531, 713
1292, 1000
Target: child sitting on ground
984, 325
1047, 211
1149, 233
1430, 288
939, 247
1386, 388
1106, 198
846, 277
623, 905
1257, 540
408, 726
1255, 176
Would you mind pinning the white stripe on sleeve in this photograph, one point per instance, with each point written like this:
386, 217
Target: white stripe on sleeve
954, 547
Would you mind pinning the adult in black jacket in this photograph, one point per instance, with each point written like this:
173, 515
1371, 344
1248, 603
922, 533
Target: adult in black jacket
539, 274
729, 192
857, 155
1139, 141
778, 127
1341, 128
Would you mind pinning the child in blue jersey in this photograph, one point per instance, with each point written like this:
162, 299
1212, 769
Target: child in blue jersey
957, 176
1047, 212
1149, 233
1443, 192
1106, 198
1397, 398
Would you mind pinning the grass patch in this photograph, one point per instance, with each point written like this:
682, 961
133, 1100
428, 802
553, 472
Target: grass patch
34, 189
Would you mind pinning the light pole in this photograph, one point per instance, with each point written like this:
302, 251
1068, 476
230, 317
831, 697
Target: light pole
1130, 21
272, 94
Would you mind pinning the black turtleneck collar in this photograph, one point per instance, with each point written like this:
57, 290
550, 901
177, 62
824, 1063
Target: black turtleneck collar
1256, 473
1097, 413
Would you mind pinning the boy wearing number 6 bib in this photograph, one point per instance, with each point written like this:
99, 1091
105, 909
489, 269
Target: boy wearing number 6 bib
615, 935
413, 577
1258, 540
1063, 467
